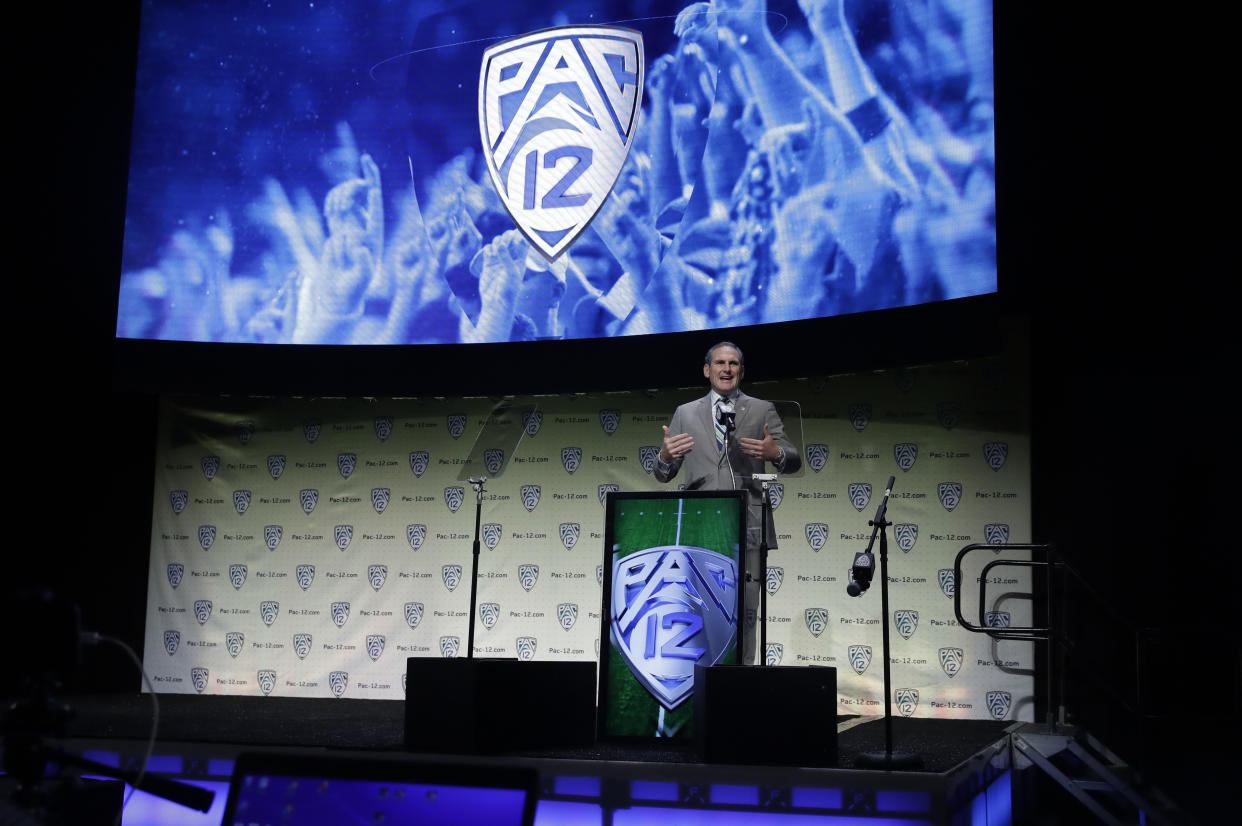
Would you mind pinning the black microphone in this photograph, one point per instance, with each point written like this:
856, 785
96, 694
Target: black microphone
861, 573
727, 417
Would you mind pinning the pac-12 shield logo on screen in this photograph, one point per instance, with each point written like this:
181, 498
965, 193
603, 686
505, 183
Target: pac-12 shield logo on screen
672, 607
558, 110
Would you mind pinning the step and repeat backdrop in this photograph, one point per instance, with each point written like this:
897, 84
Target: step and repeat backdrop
307, 546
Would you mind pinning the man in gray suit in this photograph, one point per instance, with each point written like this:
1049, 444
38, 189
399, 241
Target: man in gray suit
695, 441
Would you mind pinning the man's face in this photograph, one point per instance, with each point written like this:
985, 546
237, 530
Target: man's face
724, 371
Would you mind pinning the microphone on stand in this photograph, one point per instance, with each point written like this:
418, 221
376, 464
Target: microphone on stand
727, 417
864, 561
861, 573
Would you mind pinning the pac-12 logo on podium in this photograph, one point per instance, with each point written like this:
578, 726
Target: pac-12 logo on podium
558, 110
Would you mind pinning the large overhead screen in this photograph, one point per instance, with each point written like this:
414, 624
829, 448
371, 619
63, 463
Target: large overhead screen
422, 172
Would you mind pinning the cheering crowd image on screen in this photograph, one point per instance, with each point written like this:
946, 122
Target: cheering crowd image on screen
831, 158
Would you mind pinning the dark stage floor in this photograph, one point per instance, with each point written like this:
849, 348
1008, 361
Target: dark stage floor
377, 725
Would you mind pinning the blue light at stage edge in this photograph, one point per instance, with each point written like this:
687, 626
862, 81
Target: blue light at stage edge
313, 173
146, 809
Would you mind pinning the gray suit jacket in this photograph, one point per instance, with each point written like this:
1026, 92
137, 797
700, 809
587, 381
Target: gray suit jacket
706, 467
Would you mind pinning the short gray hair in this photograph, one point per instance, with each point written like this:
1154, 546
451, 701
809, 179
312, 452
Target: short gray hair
741, 358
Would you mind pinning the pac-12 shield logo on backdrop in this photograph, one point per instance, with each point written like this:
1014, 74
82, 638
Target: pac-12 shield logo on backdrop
947, 581
415, 534
558, 110
860, 657
906, 454
567, 614
493, 460
949, 414
774, 653
526, 647
817, 456
906, 622
571, 458
949, 494
610, 420
380, 497
492, 531
570, 531
375, 646
860, 416
309, 498
530, 496
276, 465
997, 619
449, 646
241, 501
245, 432
377, 575
178, 499
210, 465
198, 678
340, 613
454, 495
413, 614
907, 534
775, 577
907, 700
605, 489
996, 533
176, 571
532, 420
456, 424
383, 427
673, 607
995, 453
345, 463
528, 575
233, 643
272, 534
419, 460
305, 575
489, 612
171, 640
267, 681
302, 645
451, 574
269, 609
311, 429
816, 535
816, 620
776, 494
202, 610
860, 494
999, 703
647, 457
206, 536
338, 681
951, 660
343, 534
237, 576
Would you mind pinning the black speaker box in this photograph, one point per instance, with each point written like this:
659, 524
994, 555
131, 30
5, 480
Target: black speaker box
476, 706
766, 715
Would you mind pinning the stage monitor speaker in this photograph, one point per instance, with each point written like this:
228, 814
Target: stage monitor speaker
483, 706
766, 715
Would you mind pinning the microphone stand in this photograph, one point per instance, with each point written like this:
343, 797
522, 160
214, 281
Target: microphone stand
765, 515
477, 482
887, 760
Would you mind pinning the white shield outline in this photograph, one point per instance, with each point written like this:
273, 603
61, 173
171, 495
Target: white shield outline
616, 117
712, 596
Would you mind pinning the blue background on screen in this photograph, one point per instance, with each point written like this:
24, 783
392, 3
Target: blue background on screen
312, 172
